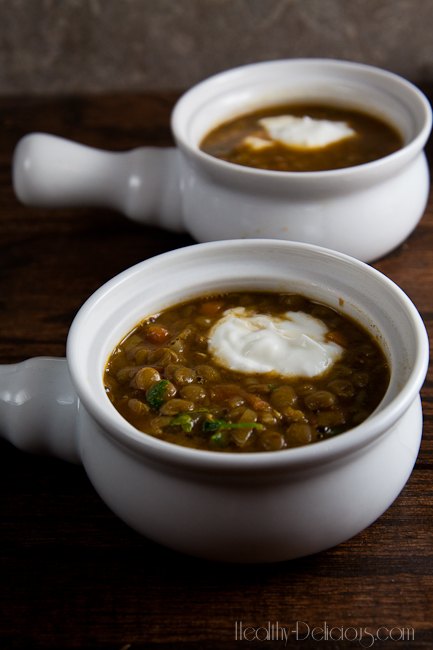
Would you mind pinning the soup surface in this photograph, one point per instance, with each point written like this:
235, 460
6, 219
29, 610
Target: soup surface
202, 373
301, 138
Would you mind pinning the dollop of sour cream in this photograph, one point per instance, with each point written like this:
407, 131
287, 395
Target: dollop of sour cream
293, 344
301, 132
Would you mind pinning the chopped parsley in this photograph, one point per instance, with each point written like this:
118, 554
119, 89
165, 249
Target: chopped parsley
156, 393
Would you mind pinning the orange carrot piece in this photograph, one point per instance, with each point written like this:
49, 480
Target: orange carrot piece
211, 307
157, 334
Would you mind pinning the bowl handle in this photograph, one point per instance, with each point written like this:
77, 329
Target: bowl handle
143, 183
39, 407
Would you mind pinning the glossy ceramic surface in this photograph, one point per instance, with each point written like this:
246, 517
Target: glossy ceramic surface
364, 211
260, 507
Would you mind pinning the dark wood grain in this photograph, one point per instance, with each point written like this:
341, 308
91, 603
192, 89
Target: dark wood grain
72, 574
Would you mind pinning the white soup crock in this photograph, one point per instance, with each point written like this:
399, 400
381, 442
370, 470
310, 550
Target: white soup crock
364, 211
257, 507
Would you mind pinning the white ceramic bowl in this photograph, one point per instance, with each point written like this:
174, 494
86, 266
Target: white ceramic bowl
364, 211
258, 507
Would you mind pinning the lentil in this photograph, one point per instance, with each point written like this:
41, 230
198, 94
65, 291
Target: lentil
180, 394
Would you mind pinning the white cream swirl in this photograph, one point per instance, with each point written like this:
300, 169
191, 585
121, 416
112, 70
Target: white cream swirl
294, 344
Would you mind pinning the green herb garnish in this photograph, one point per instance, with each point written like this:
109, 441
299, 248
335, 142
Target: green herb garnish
220, 439
156, 393
183, 420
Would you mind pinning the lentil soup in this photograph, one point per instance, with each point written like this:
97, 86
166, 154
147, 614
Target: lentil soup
165, 381
244, 140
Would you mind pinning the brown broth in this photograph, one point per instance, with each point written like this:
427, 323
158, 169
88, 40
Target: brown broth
163, 380
374, 139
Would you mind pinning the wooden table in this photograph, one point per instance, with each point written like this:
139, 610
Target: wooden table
72, 574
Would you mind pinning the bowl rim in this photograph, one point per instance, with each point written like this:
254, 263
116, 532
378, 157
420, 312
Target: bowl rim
399, 157
317, 454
